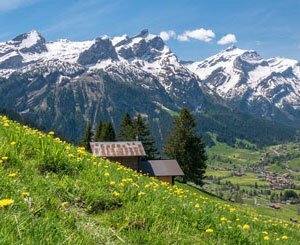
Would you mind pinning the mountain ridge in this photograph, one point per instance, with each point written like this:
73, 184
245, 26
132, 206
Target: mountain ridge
268, 88
63, 84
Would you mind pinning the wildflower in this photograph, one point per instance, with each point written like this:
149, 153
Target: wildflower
6, 125
4, 158
223, 219
1, 161
173, 209
6, 202
116, 194
209, 230
141, 193
51, 133
266, 238
284, 237
13, 143
106, 174
136, 185
246, 227
25, 194
265, 232
197, 205
112, 182
64, 204
12, 175
121, 185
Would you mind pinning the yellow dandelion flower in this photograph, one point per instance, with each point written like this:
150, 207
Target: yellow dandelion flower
284, 237
223, 219
12, 175
141, 193
121, 185
4, 158
13, 143
112, 182
25, 194
51, 133
1, 161
197, 205
266, 238
5, 125
209, 230
6, 202
116, 194
106, 174
65, 204
246, 227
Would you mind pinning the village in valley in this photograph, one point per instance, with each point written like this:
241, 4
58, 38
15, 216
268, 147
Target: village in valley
267, 179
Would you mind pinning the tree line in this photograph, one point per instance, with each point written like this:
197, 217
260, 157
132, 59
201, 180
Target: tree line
182, 144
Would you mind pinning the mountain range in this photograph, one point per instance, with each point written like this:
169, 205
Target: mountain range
63, 84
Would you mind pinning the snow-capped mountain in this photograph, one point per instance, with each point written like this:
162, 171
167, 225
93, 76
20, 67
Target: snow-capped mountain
105, 77
266, 87
144, 56
63, 84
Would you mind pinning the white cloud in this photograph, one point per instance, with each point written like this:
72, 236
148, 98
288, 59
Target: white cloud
6, 5
166, 35
227, 39
198, 34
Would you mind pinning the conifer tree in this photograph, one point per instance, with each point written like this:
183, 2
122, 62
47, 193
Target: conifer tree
126, 132
87, 137
98, 133
187, 148
143, 134
108, 132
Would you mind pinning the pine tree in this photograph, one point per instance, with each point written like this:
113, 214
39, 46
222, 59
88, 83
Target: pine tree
187, 148
126, 132
143, 134
99, 129
87, 137
108, 132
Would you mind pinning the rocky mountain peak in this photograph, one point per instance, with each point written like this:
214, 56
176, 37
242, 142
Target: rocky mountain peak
30, 42
143, 33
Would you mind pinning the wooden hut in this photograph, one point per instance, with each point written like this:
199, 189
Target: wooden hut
128, 153
164, 170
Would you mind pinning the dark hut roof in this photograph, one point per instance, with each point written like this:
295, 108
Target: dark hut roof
118, 149
162, 168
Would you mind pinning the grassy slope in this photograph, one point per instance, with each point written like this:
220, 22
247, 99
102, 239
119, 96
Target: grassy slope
75, 198
226, 153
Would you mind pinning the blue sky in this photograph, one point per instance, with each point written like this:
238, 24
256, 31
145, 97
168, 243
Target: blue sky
194, 27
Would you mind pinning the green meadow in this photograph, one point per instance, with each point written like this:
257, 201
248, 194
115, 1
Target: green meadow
54, 193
